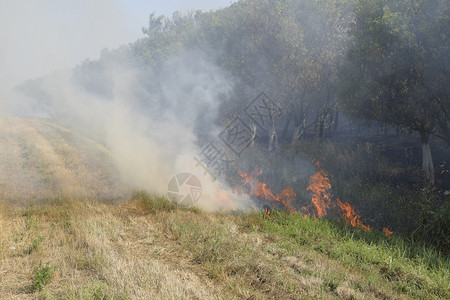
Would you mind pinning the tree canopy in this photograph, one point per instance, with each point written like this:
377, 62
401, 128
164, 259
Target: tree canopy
386, 61
396, 70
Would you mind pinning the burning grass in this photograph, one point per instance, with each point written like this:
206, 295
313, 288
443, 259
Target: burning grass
146, 247
322, 201
389, 193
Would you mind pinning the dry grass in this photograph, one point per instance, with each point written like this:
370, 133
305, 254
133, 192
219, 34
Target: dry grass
145, 248
40, 159
98, 252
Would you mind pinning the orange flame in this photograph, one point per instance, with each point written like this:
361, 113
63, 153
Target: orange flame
249, 179
350, 215
387, 232
261, 190
319, 184
223, 199
321, 200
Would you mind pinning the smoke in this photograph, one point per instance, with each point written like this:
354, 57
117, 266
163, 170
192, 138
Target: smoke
152, 120
149, 120
38, 37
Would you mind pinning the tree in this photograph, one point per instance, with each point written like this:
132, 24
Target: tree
390, 74
289, 49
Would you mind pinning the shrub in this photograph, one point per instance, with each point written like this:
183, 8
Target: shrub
43, 275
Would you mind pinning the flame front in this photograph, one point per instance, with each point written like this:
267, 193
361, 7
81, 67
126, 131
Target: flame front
350, 215
319, 184
287, 196
321, 200
387, 232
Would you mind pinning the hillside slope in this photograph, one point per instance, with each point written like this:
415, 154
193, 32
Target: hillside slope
41, 159
70, 230
147, 248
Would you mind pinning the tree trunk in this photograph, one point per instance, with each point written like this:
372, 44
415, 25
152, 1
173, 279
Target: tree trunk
299, 125
427, 160
253, 135
273, 138
330, 125
295, 135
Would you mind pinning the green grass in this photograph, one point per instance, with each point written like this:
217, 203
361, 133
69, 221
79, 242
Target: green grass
405, 267
43, 275
396, 265
387, 191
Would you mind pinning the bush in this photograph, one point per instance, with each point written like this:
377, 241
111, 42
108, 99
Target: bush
43, 275
433, 225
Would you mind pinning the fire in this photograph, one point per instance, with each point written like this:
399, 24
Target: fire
249, 179
321, 200
387, 232
223, 199
350, 215
262, 191
267, 208
319, 184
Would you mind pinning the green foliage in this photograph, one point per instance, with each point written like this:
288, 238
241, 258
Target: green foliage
43, 275
390, 74
289, 49
433, 224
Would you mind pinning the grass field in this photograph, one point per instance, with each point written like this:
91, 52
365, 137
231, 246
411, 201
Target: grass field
41, 159
80, 246
147, 248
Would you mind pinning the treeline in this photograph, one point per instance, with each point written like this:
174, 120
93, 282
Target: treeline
383, 62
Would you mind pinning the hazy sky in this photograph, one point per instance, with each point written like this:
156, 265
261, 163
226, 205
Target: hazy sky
37, 37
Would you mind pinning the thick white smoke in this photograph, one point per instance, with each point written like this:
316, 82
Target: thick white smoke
151, 119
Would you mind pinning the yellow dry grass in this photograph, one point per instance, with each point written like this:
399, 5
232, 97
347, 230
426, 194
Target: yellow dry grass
40, 159
97, 251
124, 250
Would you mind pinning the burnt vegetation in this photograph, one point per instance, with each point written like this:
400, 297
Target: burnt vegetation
363, 87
